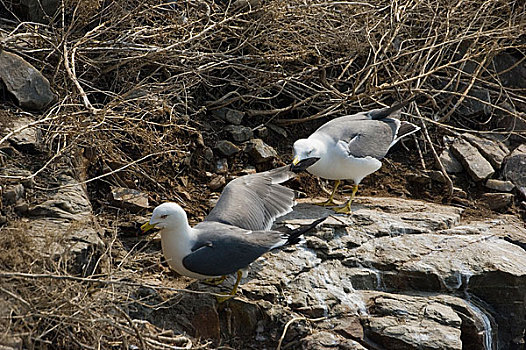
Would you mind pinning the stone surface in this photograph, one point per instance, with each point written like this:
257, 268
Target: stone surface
475, 164
38, 10
128, 198
500, 185
62, 227
259, 151
25, 82
450, 163
217, 182
28, 139
497, 201
515, 169
13, 193
226, 148
239, 133
231, 116
493, 151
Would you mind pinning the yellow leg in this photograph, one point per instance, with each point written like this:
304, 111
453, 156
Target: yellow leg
234, 289
330, 202
215, 281
346, 209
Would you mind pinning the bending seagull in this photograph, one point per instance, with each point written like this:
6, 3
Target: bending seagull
351, 147
236, 232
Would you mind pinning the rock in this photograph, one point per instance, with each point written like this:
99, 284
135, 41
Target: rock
497, 201
450, 163
239, 133
500, 185
493, 151
21, 207
128, 198
476, 165
217, 182
29, 139
227, 148
230, 116
259, 151
3, 219
13, 193
262, 132
221, 166
521, 149
509, 71
25, 82
39, 10
325, 340
475, 106
515, 169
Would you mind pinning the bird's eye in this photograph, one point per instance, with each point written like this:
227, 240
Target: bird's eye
164, 216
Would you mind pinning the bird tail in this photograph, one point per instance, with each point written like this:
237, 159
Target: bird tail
389, 111
294, 235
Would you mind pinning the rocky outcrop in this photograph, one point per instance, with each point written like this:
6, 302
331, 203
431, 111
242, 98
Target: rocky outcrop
396, 274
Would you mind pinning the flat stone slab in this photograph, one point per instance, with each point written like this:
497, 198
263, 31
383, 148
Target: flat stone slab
493, 151
475, 164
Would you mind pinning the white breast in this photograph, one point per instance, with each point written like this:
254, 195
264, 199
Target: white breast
336, 164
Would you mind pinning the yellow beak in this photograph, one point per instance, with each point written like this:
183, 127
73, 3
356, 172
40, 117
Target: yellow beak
296, 160
147, 227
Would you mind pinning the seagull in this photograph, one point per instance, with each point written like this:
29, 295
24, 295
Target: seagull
236, 232
351, 147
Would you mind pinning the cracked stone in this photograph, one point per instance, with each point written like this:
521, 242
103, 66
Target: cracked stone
475, 164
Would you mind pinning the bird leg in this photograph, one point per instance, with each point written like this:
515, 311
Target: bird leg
330, 202
346, 209
215, 281
234, 289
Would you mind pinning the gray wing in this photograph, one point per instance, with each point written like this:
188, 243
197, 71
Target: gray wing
364, 137
254, 201
222, 249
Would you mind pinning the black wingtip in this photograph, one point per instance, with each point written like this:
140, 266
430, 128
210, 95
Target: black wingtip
294, 235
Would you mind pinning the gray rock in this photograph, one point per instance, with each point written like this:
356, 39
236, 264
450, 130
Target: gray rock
521, 149
227, 148
411, 322
230, 116
39, 10
493, 151
25, 82
221, 166
262, 132
21, 207
470, 106
510, 73
13, 193
239, 133
26, 140
500, 185
128, 198
497, 201
515, 169
325, 340
450, 163
217, 182
475, 164
259, 151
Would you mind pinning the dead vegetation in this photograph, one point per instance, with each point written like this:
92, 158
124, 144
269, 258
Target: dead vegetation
138, 82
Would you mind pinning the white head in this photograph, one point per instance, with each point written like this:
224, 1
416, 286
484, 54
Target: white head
166, 214
306, 153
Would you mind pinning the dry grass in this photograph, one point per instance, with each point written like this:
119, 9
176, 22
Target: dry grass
137, 82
